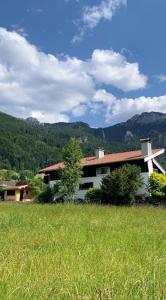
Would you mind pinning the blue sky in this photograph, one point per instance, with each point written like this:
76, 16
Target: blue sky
98, 61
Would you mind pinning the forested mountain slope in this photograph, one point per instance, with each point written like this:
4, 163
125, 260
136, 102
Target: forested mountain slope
27, 144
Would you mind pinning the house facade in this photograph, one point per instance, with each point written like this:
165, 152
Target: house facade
15, 191
95, 167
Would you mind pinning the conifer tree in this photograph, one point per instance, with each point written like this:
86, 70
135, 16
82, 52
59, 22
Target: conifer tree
70, 175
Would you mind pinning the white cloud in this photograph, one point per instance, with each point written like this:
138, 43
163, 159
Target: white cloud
161, 78
105, 10
79, 110
111, 68
119, 110
19, 29
93, 15
33, 83
49, 117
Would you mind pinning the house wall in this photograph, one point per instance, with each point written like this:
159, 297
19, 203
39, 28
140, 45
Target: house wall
27, 194
146, 168
143, 191
15, 197
97, 183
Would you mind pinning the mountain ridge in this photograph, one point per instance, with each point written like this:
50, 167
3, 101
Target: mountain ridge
33, 145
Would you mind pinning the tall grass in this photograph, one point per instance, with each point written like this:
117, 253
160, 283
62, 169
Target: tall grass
82, 252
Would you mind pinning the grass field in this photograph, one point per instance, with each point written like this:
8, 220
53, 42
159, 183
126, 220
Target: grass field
82, 252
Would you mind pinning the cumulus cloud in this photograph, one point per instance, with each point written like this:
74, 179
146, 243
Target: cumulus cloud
111, 68
93, 15
49, 88
32, 81
119, 110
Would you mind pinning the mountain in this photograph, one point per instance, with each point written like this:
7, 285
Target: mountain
27, 144
32, 121
151, 124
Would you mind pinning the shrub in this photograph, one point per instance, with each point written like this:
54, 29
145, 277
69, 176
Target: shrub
121, 185
46, 196
164, 193
59, 192
93, 195
37, 185
157, 186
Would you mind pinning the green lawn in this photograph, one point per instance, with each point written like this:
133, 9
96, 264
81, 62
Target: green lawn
82, 252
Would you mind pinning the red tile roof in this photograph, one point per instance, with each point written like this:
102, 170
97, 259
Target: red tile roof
108, 158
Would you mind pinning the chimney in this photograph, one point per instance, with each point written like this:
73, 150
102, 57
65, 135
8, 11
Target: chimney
146, 146
99, 152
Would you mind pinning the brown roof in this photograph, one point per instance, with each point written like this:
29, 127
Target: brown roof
15, 187
108, 158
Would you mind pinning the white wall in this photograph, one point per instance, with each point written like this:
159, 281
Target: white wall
81, 193
144, 189
97, 182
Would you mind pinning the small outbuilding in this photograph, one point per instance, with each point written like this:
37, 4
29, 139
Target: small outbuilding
16, 191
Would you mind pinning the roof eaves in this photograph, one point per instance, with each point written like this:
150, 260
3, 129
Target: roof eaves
159, 152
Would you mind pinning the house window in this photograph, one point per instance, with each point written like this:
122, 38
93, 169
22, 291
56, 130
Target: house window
86, 185
11, 193
102, 170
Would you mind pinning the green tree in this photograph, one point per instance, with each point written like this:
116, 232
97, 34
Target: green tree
8, 175
26, 175
70, 175
121, 185
37, 184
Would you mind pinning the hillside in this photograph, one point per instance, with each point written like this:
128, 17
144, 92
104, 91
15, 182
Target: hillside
27, 144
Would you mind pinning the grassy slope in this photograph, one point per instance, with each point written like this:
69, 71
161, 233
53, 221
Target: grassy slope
82, 252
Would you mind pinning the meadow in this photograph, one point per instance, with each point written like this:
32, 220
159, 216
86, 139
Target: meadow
82, 252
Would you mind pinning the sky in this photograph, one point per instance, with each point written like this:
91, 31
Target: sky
96, 61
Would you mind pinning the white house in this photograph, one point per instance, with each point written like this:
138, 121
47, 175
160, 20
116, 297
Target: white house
95, 167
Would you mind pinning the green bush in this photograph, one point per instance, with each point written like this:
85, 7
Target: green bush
46, 196
157, 187
93, 195
121, 185
37, 185
59, 192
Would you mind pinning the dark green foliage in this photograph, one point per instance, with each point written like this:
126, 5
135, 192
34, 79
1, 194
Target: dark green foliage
70, 175
30, 146
164, 193
93, 195
24, 146
59, 192
121, 185
37, 185
26, 175
46, 196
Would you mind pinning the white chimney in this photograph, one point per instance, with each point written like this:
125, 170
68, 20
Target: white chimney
99, 152
146, 147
